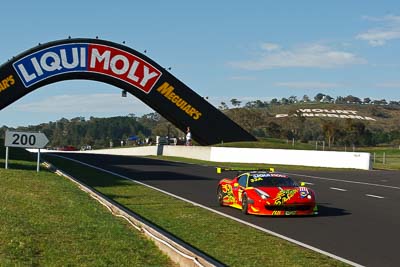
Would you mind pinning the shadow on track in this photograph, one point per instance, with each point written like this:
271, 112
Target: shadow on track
327, 211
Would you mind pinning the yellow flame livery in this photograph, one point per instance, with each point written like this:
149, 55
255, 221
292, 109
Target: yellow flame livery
283, 196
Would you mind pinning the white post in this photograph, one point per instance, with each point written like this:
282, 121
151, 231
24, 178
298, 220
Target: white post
38, 160
6, 157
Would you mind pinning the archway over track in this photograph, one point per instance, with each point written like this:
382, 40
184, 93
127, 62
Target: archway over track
125, 68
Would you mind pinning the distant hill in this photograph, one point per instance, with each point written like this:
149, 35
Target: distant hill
336, 124
362, 124
382, 116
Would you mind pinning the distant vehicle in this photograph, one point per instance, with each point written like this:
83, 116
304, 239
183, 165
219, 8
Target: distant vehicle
87, 147
67, 148
266, 193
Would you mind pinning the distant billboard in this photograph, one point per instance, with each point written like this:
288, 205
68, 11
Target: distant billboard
326, 113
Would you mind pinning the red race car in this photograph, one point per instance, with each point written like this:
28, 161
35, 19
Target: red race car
266, 193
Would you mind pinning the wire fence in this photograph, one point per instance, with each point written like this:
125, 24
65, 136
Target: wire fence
386, 160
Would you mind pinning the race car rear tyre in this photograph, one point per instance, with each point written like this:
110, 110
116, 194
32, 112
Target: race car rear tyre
245, 204
220, 195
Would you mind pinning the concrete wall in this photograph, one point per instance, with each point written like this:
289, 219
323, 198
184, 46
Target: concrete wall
130, 151
333, 159
193, 152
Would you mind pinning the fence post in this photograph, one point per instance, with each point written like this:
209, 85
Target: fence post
384, 157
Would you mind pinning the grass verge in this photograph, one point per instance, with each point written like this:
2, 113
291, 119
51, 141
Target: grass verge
219, 237
47, 221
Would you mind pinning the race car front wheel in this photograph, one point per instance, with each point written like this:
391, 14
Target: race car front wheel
220, 195
245, 204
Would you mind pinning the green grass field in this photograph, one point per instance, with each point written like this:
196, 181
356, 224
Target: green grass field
47, 221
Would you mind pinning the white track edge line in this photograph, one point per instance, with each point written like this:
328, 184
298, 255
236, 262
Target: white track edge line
222, 214
375, 196
338, 189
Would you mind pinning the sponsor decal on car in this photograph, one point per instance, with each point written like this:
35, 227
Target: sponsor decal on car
303, 191
283, 196
86, 57
257, 175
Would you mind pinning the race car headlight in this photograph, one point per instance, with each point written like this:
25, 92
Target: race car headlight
262, 194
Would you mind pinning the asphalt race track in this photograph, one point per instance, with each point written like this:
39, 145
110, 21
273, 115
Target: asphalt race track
359, 211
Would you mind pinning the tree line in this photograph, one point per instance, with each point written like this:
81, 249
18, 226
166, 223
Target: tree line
318, 98
257, 117
100, 132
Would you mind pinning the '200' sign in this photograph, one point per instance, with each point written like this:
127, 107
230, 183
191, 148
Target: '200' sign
25, 139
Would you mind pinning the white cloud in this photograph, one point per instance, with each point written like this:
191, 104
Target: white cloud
91, 103
387, 31
307, 85
309, 56
242, 78
270, 46
389, 85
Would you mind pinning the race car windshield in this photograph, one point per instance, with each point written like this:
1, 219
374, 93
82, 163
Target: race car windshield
255, 181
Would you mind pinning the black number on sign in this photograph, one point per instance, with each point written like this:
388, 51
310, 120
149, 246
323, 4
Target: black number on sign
24, 139
16, 140
32, 140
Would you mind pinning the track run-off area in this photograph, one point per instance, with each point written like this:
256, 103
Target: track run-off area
359, 211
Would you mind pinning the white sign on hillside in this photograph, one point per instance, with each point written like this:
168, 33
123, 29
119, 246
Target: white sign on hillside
327, 113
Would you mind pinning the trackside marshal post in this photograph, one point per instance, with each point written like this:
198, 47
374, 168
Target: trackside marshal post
25, 140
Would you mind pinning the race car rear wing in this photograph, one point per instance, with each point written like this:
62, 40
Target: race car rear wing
220, 170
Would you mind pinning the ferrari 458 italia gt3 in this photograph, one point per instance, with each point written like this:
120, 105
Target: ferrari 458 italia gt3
266, 193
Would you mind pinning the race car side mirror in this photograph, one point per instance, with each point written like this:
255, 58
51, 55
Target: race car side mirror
235, 184
302, 184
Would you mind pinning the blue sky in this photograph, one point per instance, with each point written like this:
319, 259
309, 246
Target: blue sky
221, 49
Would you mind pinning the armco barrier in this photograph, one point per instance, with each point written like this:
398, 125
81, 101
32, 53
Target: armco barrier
312, 158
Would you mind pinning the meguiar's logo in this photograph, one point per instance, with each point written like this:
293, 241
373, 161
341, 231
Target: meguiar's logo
168, 92
6, 82
80, 57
